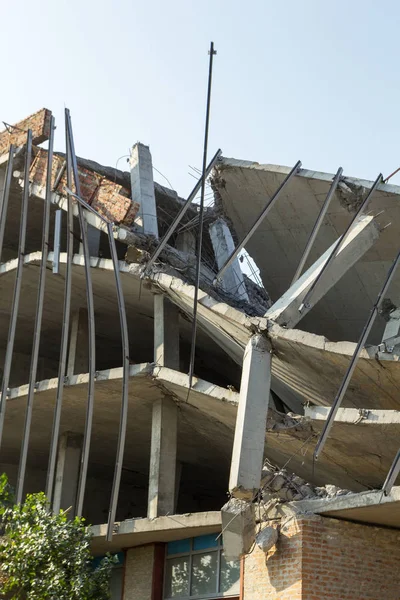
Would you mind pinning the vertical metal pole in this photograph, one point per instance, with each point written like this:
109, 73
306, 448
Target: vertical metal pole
201, 219
18, 284
91, 326
64, 333
5, 196
307, 298
125, 383
350, 370
57, 242
125, 363
317, 225
38, 320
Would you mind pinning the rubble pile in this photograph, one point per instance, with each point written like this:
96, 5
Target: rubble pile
279, 484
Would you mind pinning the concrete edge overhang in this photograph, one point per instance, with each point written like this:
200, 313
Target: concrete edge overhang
371, 507
137, 532
239, 326
163, 375
306, 173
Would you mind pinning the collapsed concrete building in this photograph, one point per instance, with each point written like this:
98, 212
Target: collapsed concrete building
205, 484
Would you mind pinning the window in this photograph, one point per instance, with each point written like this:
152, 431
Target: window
116, 575
196, 568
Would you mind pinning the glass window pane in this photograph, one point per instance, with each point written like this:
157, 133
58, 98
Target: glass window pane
230, 576
202, 542
177, 577
204, 573
178, 547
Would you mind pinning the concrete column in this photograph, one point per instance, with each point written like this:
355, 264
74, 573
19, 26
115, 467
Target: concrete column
164, 431
166, 333
186, 242
67, 473
78, 343
251, 420
142, 186
223, 244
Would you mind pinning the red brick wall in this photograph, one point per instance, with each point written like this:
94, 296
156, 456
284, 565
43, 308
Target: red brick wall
38, 122
319, 558
108, 198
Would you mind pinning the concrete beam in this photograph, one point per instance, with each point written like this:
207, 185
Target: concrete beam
354, 415
78, 343
166, 333
360, 239
67, 473
164, 430
251, 420
223, 245
142, 185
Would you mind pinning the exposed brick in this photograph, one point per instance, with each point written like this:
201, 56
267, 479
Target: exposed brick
318, 558
39, 122
106, 197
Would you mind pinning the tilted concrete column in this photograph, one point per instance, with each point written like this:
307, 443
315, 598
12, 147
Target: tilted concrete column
67, 473
223, 244
251, 420
142, 186
186, 242
78, 356
166, 333
164, 430
359, 240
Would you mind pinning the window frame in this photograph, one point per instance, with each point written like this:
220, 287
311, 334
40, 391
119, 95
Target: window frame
190, 553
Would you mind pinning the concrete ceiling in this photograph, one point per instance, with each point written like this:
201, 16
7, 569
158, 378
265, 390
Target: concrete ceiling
211, 359
244, 188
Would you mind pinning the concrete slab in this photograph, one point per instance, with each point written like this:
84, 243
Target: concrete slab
373, 508
136, 532
244, 188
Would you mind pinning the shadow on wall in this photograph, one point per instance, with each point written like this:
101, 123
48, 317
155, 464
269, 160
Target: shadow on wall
282, 564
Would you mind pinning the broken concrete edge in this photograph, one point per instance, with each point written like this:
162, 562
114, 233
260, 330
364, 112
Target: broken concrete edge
346, 502
237, 325
226, 163
135, 532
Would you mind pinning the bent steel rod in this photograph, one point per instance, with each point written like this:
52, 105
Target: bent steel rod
17, 285
91, 327
258, 221
201, 221
125, 384
180, 214
38, 321
317, 225
64, 333
350, 370
125, 369
308, 297
5, 196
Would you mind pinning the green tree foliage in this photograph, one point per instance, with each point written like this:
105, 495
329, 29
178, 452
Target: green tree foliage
45, 556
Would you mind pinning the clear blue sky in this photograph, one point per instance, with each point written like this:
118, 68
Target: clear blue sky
314, 80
